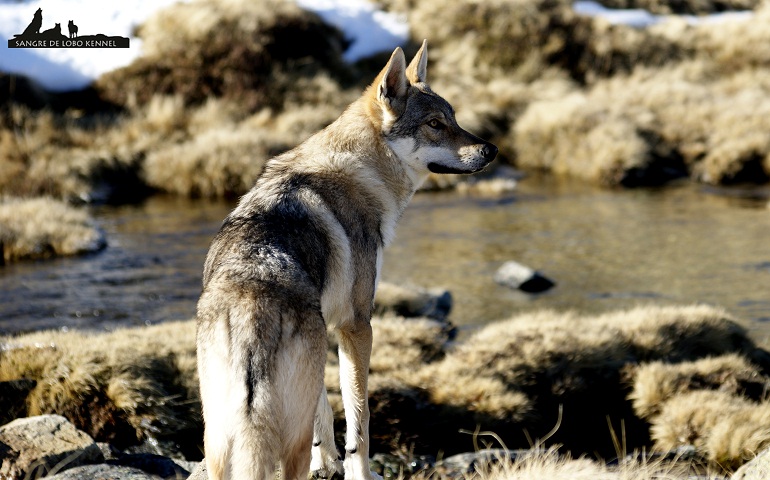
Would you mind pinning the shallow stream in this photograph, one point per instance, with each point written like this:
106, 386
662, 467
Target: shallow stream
605, 249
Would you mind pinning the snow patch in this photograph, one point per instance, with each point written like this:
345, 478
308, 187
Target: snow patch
369, 29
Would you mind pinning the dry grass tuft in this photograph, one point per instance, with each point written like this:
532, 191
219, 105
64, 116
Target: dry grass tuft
220, 154
729, 428
46, 154
652, 126
43, 228
122, 387
548, 463
657, 382
717, 404
249, 52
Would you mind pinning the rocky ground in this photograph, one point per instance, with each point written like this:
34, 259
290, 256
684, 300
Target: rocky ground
51, 447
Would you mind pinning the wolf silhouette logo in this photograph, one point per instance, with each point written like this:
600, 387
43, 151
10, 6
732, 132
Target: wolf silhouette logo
32, 37
73, 29
34, 25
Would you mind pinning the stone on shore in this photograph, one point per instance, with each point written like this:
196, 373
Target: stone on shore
109, 472
517, 276
435, 303
33, 446
200, 472
757, 469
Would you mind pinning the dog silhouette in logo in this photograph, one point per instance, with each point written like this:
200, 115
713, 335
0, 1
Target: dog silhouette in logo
34, 26
73, 29
52, 33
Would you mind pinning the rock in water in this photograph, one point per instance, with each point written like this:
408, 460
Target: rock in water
515, 275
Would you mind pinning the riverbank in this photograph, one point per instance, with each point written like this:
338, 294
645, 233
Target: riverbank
660, 379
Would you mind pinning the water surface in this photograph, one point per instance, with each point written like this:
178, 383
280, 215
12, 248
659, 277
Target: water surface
605, 249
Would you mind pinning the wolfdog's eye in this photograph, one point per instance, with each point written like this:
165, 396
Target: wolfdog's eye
435, 124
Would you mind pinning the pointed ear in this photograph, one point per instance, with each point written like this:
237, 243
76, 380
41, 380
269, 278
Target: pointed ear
417, 72
392, 82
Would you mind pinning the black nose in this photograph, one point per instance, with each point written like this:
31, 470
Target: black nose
489, 151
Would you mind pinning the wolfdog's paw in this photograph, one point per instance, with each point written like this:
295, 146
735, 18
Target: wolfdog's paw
357, 470
330, 469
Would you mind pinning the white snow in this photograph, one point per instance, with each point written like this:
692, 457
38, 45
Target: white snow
369, 29
641, 18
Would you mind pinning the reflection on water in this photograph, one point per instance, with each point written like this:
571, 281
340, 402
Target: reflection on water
605, 250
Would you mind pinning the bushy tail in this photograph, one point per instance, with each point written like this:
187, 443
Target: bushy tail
255, 420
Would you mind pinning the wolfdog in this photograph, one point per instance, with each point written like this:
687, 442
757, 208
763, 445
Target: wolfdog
303, 249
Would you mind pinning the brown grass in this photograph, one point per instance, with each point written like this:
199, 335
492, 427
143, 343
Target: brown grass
548, 464
717, 404
652, 126
554, 90
121, 387
655, 383
729, 428
644, 106
509, 377
43, 228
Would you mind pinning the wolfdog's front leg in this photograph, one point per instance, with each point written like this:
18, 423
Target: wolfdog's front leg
355, 350
325, 458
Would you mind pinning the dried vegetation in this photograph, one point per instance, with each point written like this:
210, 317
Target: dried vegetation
685, 376
557, 91
43, 227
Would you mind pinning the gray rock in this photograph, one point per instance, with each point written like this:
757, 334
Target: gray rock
200, 472
404, 301
757, 469
187, 465
106, 472
30, 447
158, 465
464, 464
515, 275
109, 452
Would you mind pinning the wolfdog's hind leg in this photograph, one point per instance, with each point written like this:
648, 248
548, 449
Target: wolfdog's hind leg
299, 379
326, 460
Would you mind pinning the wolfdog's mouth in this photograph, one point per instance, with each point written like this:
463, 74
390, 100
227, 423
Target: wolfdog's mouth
438, 168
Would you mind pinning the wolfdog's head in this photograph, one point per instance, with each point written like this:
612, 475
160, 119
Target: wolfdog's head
420, 126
